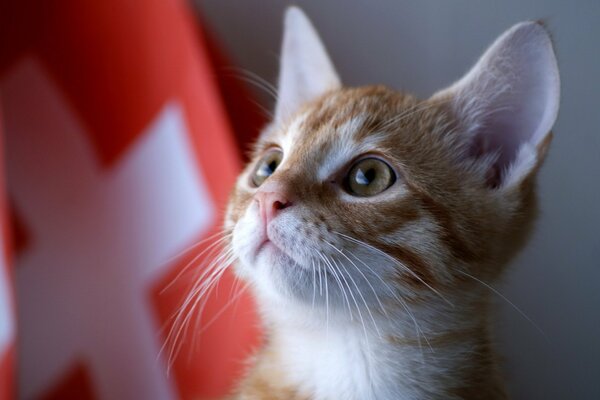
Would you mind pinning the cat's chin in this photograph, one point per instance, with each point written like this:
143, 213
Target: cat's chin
288, 278
286, 282
271, 254
281, 275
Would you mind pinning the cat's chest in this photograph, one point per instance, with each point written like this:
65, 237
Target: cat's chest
342, 364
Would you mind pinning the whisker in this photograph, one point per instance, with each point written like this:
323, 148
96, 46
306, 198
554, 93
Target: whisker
202, 290
179, 331
339, 269
388, 287
314, 280
338, 281
196, 257
193, 246
418, 329
199, 292
208, 271
198, 281
367, 342
398, 297
326, 298
231, 301
359, 291
200, 311
320, 279
254, 79
397, 262
513, 305
422, 106
201, 298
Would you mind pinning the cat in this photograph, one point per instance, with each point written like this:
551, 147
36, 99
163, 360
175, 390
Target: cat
369, 223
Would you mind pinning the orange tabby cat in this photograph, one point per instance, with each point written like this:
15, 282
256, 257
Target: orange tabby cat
369, 222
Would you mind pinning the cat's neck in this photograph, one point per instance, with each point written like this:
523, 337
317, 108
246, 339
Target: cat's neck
432, 354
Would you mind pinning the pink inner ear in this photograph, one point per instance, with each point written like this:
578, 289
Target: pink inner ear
510, 98
521, 114
498, 139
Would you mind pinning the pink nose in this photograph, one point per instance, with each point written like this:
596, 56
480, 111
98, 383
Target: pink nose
270, 204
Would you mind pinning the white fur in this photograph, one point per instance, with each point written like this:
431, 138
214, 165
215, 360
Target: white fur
292, 135
344, 148
338, 359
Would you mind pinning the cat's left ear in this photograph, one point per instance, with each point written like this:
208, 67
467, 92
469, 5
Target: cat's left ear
507, 103
306, 72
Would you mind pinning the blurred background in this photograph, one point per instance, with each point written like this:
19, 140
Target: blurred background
123, 125
422, 46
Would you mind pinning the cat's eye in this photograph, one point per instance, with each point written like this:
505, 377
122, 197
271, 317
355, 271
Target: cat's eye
266, 166
368, 177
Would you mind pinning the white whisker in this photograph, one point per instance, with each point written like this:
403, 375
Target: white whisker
358, 289
197, 297
255, 79
196, 257
338, 281
419, 332
513, 305
398, 263
314, 281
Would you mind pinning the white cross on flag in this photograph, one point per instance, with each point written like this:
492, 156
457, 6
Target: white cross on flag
119, 158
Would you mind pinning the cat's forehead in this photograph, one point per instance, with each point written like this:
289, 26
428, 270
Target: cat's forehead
342, 125
351, 111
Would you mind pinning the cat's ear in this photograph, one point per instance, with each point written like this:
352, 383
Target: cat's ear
306, 72
507, 103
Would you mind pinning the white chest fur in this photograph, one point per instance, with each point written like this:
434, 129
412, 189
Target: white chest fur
345, 363
342, 360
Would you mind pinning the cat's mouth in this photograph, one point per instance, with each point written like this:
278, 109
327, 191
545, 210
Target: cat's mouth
264, 244
268, 246
272, 252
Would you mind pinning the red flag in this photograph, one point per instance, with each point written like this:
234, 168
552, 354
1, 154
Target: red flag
7, 320
119, 157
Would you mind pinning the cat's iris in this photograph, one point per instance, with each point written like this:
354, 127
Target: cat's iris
368, 177
266, 166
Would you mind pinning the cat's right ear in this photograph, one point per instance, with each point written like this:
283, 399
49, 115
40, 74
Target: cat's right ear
305, 72
507, 103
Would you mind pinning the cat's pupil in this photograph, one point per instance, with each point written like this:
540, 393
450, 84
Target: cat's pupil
365, 178
369, 177
266, 167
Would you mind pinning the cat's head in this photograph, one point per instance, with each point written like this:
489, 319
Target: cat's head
356, 196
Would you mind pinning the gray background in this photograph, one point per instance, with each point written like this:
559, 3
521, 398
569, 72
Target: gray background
420, 46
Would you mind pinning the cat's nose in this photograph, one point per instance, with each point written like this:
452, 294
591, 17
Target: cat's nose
271, 203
